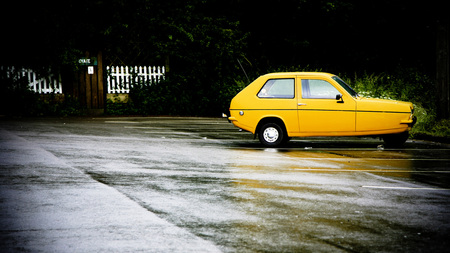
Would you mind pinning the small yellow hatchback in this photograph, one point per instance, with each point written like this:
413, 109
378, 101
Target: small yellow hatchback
279, 106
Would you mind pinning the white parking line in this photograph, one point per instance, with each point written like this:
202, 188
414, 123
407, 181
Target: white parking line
121, 122
373, 170
405, 188
171, 133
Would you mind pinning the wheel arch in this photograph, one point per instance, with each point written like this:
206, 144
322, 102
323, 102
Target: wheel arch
271, 119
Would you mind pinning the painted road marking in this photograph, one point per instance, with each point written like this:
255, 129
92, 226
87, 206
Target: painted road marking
405, 188
121, 122
375, 170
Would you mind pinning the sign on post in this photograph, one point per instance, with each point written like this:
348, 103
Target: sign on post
92, 61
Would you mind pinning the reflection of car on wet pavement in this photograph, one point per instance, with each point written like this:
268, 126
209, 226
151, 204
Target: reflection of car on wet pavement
279, 106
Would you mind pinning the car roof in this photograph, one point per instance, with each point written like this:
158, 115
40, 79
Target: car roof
278, 74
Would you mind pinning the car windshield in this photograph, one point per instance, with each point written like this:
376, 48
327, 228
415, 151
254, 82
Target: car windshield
349, 89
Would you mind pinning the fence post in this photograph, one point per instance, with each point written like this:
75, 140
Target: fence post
118, 79
108, 80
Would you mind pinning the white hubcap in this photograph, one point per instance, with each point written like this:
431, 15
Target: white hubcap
270, 134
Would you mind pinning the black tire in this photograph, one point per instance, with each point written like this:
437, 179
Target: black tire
271, 135
395, 140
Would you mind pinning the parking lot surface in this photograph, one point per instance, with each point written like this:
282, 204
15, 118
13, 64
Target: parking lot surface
167, 184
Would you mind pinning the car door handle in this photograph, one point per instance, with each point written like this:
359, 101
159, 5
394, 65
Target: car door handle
300, 104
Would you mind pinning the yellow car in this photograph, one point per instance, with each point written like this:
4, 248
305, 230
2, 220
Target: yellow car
279, 106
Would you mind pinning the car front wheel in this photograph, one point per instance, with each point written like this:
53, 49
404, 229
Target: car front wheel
395, 140
271, 135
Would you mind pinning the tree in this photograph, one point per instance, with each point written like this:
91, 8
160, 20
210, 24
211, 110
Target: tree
201, 40
443, 69
200, 43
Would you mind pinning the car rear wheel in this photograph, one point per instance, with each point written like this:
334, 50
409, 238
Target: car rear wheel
271, 135
395, 140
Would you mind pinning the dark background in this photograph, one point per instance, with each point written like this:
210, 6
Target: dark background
202, 41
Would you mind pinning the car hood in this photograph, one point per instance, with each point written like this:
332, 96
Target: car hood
385, 105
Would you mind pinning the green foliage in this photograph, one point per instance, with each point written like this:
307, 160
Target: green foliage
323, 33
19, 100
200, 45
299, 68
58, 105
441, 128
159, 99
114, 107
177, 95
16, 96
405, 85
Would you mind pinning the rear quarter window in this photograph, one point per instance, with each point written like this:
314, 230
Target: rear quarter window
278, 88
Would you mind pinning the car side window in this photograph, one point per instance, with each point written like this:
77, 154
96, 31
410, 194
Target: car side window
278, 88
312, 88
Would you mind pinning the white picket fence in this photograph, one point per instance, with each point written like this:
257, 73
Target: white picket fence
40, 85
121, 78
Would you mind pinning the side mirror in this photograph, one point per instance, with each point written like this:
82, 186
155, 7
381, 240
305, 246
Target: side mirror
339, 98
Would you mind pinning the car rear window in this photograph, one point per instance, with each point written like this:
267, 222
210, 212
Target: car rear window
278, 88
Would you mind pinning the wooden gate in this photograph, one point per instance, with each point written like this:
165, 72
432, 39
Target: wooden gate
87, 84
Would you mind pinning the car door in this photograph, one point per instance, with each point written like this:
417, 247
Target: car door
319, 112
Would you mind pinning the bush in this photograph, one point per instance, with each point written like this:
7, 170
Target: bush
405, 85
441, 128
116, 106
163, 98
177, 95
18, 99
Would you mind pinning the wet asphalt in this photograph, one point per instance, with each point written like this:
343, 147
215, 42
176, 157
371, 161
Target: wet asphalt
167, 184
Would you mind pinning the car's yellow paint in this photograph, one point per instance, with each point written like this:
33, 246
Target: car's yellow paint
351, 116
325, 116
